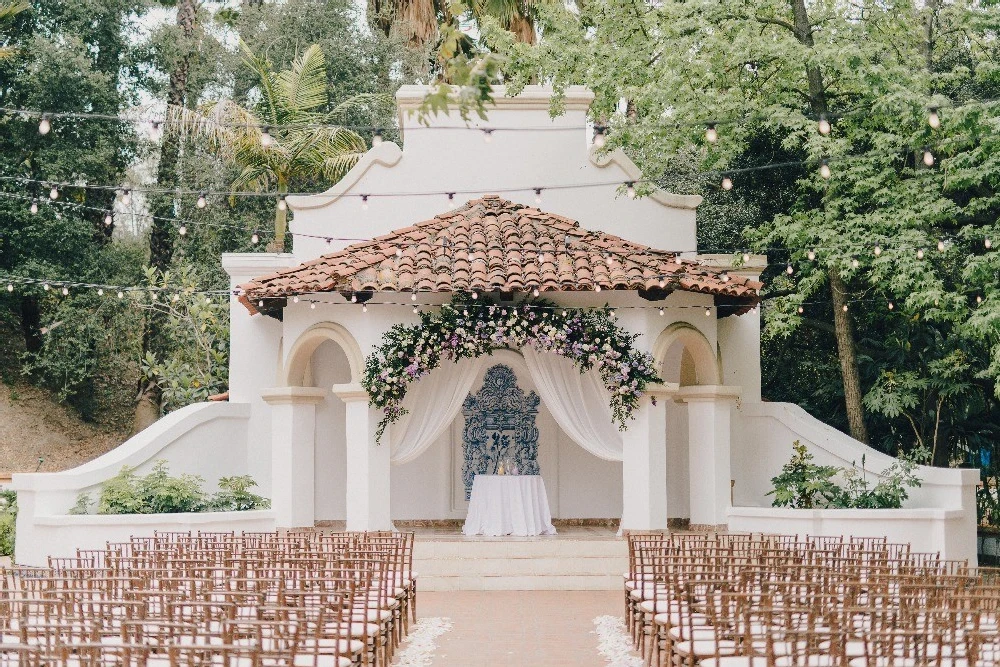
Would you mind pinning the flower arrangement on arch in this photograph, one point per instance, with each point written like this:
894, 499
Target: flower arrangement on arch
470, 328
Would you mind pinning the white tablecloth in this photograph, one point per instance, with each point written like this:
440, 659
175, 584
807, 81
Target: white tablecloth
508, 505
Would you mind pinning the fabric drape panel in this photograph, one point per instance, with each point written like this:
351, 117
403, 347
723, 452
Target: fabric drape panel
578, 402
432, 403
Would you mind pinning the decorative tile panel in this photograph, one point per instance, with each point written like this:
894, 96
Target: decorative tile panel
499, 424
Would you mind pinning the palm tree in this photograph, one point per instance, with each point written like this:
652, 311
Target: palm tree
8, 10
417, 20
283, 139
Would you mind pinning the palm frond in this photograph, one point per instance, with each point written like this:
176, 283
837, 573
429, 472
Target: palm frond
302, 88
334, 168
9, 10
359, 101
265, 76
255, 178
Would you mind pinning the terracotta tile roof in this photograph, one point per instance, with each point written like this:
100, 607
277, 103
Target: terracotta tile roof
492, 244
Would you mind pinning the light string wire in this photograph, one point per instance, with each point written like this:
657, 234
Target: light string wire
931, 107
881, 243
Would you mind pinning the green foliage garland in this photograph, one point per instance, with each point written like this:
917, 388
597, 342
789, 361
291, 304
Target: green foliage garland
468, 328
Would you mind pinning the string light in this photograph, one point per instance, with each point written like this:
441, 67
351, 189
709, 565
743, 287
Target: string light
182, 230
100, 292
597, 288
266, 140
475, 295
824, 169
451, 199
295, 299
354, 298
399, 252
878, 250
933, 119
416, 310
920, 253
988, 243
364, 202
282, 204
928, 157
708, 312
34, 207
54, 193
108, 219
727, 183
312, 305
202, 202
538, 195
711, 134
746, 257
661, 312
65, 291
46, 287
254, 239
855, 263
487, 134
534, 292
364, 308
891, 306
126, 198
823, 125
10, 287
376, 137
599, 138
811, 255
844, 308
979, 298
44, 125
121, 295
662, 283
940, 246
801, 310
630, 189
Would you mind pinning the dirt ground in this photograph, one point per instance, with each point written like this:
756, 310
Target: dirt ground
33, 426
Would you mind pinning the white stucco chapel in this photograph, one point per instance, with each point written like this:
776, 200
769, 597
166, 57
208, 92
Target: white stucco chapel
496, 210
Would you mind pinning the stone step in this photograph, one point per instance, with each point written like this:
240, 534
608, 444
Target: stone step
520, 564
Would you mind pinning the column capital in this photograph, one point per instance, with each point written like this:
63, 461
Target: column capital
708, 392
350, 392
293, 395
662, 389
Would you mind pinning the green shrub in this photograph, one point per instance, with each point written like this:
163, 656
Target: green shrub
160, 493
8, 521
805, 485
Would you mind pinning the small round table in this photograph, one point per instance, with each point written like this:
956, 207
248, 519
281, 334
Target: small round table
508, 505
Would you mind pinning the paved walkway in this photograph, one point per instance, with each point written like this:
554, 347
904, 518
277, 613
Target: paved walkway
519, 628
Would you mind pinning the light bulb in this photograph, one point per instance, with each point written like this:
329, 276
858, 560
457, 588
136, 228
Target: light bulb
202, 202
988, 243
312, 305
65, 291
487, 134
282, 204
260, 304
811, 255
727, 183
54, 193
126, 198
711, 134
399, 252
979, 298
661, 312
933, 119
708, 312
100, 292
789, 270
295, 299
855, 263
354, 298
534, 292
612, 314
475, 295
746, 257
254, 239
364, 308
413, 296
597, 288
599, 138
451, 200
121, 295
878, 250
940, 246
823, 125
630, 189
415, 310
175, 298
920, 254
801, 310
662, 283
46, 287
726, 278
928, 157
10, 287
376, 137
34, 207
266, 140
44, 125
891, 306
824, 169
844, 308
108, 219
182, 230
538, 195
364, 202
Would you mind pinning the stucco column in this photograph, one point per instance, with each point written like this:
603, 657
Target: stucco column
293, 453
367, 463
709, 461
644, 464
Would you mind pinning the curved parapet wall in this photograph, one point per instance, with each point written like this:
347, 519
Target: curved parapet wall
945, 501
206, 439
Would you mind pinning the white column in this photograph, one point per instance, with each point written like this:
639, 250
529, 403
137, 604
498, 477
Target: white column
644, 464
293, 452
709, 452
367, 463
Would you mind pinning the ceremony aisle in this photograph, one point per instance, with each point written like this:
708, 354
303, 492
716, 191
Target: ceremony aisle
515, 628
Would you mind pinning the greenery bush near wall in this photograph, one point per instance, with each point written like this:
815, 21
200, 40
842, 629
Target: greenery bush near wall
160, 493
803, 484
8, 519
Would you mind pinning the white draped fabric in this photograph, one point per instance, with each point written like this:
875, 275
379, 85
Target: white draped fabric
432, 403
508, 505
578, 402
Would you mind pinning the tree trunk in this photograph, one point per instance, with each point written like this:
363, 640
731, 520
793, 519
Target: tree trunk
161, 233
31, 323
844, 333
843, 330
